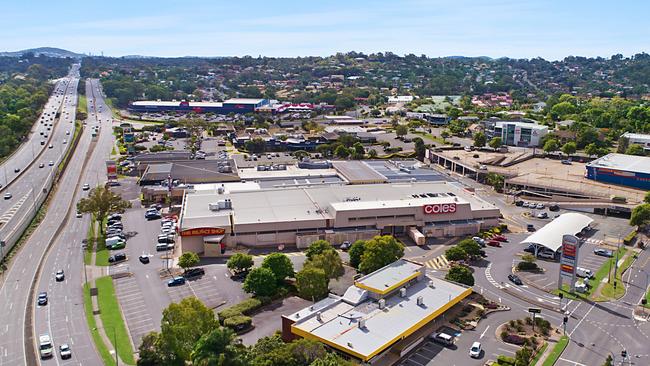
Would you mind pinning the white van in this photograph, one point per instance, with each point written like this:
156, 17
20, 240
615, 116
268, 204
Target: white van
45, 347
584, 272
442, 338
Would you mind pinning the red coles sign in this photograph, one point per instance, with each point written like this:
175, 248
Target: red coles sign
439, 208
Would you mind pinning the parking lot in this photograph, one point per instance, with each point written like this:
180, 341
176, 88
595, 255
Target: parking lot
205, 288
134, 308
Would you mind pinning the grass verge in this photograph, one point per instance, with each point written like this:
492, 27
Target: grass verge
102, 253
73, 142
112, 319
430, 137
608, 291
82, 104
94, 332
539, 355
557, 351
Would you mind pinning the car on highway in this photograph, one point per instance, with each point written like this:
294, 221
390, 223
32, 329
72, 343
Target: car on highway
16, 170
475, 350
51, 163
51, 146
59, 276
42, 142
41, 165
603, 252
515, 279
494, 243
45, 348
116, 258
79, 215
144, 258
8, 196
86, 187
176, 281
42, 298
65, 142
67, 132
193, 273
65, 351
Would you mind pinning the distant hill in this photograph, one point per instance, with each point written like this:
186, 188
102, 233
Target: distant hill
46, 51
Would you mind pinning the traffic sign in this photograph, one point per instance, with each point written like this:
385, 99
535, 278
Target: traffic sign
534, 310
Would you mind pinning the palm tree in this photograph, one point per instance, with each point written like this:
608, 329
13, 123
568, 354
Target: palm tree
218, 348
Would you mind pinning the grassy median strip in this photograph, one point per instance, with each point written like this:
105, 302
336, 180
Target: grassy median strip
608, 291
82, 104
539, 355
101, 257
94, 332
557, 351
112, 320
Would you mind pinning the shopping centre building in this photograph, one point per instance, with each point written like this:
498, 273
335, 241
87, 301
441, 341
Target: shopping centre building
236, 215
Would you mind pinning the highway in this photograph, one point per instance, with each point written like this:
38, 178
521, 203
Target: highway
16, 308
37, 163
63, 317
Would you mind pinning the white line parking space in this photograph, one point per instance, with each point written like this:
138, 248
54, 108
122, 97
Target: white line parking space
136, 314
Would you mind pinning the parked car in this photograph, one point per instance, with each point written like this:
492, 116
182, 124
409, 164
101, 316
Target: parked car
193, 273
42, 298
554, 208
515, 279
540, 206
519, 203
176, 281
152, 214
494, 243
566, 162
345, 246
119, 257
59, 276
500, 238
442, 338
475, 350
144, 259
530, 227
479, 241
603, 252
584, 273
542, 215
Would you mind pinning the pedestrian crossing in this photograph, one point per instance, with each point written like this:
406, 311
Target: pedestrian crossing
593, 241
438, 262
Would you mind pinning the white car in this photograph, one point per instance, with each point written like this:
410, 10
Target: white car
8, 196
65, 351
475, 350
86, 187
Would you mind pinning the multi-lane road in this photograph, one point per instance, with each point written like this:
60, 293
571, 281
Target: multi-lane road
57, 244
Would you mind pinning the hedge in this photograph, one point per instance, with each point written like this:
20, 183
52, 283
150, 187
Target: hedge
527, 266
514, 339
245, 307
238, 322
505, 360
630, 237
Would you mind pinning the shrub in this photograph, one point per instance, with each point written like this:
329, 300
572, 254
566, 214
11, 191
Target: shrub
526, 266
505, 360
514, 339
629, 238
245, 307
504, 335
238, 323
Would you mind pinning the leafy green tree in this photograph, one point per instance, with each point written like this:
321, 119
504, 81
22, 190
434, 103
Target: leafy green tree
149, 352
261, 282
646, 198
372, 153
623, 143
420, 148
528, 258
280, 265
379, 252
218, 348
255, 146
551, 145
496, 142
311, 283
318, 247
100, 202
331, 359
240, 262
495, 180
456, 253
342, 152
188, 260
640, 215
569, 148
479, 139
347, 140
523, 356
609, 361
470, 247
460, 274
401, 130
358, 151
561, 110
182, 325
594, 149
355, 252
635, 149
329, 261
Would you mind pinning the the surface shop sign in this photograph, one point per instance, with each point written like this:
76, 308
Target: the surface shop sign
568, 261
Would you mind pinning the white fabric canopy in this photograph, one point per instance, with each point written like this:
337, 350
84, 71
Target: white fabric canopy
550, 236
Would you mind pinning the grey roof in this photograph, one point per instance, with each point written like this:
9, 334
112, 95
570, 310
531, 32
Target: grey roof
389, 276
550, 235
630, 163
163, 156
191, 171
358, 172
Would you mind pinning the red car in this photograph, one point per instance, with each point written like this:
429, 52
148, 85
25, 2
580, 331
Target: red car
494, 243
500, 238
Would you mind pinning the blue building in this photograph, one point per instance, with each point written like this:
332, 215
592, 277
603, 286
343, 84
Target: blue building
625, 170
235, 105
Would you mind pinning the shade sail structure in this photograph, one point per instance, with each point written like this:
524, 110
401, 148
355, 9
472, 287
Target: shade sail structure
550, 235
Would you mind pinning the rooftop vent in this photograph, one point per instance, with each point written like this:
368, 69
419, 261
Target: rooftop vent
431, 284
420, 301
382, 304
402, 292
225, 204
362, 323
319, 317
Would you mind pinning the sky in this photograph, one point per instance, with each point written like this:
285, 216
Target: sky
551, 29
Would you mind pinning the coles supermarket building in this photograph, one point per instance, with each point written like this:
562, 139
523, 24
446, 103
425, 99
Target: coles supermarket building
215, 220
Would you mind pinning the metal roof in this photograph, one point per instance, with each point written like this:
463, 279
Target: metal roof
630, 163
550, 235
386, 278
358, 172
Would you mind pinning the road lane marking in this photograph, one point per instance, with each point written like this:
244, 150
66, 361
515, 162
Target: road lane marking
583, 318
572, 362
482, 334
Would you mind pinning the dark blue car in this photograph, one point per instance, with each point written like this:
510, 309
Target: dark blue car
176, 281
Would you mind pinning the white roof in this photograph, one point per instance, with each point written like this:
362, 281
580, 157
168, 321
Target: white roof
243, 101
533, 126
175, 103
550, 236
630, 163
636, 136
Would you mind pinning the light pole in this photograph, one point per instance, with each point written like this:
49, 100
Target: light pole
114, 340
